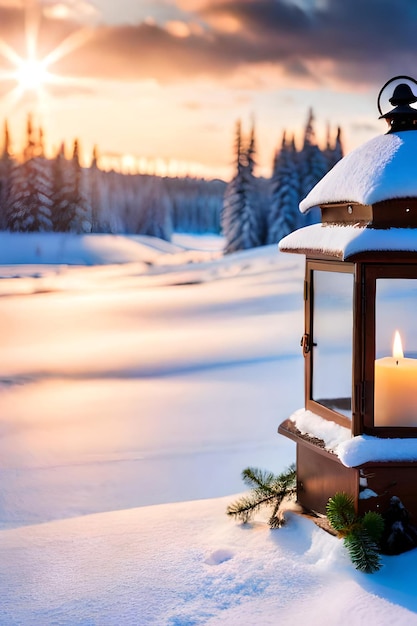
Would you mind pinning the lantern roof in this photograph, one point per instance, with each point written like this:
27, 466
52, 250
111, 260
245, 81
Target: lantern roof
383, 168
344, 242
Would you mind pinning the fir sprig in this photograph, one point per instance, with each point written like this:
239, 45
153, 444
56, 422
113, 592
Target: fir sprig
363, 551
361, 535
268, 490
341, 513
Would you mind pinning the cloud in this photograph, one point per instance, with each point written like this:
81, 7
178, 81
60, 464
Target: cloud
350, 40
340, 42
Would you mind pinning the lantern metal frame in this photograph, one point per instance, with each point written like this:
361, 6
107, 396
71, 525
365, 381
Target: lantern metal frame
365, 274
320, 472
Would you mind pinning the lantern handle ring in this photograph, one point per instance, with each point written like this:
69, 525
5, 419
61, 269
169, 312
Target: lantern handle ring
391, 80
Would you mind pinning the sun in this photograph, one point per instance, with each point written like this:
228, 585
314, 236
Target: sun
31, 74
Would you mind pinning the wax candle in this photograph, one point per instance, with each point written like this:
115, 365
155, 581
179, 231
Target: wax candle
395, 389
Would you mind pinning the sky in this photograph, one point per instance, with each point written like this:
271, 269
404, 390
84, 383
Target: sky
158, 85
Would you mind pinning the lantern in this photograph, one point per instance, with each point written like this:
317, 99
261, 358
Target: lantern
357, 432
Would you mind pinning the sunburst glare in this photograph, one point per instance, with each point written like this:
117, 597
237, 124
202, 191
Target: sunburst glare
30, 74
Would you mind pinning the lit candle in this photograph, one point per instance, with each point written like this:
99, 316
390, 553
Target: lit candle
396, 389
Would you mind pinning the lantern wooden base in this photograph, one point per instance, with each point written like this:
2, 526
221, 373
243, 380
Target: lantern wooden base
320, 474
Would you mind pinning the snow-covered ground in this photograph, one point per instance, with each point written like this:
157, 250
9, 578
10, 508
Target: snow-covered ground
137, 380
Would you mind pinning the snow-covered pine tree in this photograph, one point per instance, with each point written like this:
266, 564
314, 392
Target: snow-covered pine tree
284, 214
257, 221
30, 200
110, 219
40, 173
154, 210
234, 199
196, 204
94, 189
62, 208
328, 151
30, 148
128, 206
338, 148
241, 223
313, 166
81, 222
6, 164
333, 153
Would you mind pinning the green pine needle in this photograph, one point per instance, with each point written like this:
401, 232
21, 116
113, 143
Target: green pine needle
341, 513
254, 478
248, 505
268, 490
361, 534
373, 523
363, 551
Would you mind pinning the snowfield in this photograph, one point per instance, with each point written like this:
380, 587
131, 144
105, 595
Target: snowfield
138, 378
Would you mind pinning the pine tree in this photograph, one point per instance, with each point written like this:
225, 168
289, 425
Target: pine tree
328, 151
62, 211
154, 211
338, 148
80, 209
40, 143
94, 188
30, 201
333, 153
313, 166
6, 164
241, 219
257, 233
40, 175
30, 148
284, 214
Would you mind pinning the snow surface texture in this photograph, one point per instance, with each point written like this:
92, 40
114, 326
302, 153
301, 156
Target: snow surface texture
380, 169
126, 386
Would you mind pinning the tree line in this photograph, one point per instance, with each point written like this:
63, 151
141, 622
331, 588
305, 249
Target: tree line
59, 195
259, 212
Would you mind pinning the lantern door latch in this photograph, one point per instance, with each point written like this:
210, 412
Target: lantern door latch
306, 344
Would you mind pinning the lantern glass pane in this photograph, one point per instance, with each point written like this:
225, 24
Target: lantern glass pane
395, 395
332, 340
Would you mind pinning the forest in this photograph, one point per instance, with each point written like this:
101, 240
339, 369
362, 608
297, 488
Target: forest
258, 212
59, 195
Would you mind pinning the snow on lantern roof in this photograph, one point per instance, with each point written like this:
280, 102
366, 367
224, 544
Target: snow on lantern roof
383, 168
345, 241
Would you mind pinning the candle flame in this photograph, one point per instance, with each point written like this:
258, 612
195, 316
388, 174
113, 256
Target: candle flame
397, 350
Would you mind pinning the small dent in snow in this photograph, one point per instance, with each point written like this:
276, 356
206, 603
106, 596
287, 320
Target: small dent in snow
219, 556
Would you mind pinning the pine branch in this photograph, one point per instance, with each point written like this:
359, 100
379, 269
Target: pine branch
256, 478
341, 513
373, 523
277, 519
286, 480
267, 490
363, 551
247, 506
361, 534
